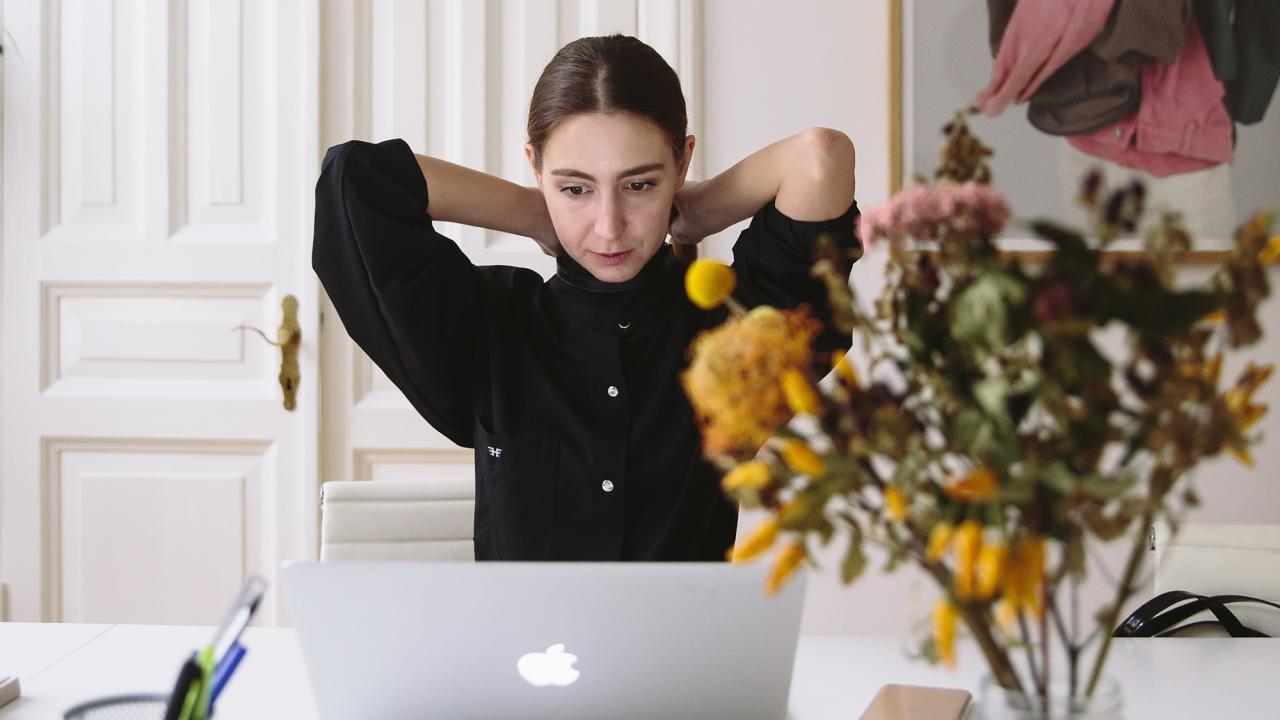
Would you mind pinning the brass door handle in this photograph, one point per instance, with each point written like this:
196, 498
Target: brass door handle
288, 339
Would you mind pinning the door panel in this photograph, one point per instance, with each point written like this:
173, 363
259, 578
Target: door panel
159, 159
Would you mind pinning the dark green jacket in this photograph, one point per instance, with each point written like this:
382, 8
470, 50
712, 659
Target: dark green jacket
1245, 53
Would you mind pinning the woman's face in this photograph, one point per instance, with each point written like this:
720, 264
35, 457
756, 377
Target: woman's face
608, 180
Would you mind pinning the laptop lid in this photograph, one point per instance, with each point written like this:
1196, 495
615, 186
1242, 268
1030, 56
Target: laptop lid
544, 640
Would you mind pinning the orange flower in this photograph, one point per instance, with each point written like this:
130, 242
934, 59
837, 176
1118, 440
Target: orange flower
965, 548
708, 282
991, 564
944, 631
801, 396
939, 540
802, 458
977, 486
733, 379
784, 566
895, 503
751, 475
757, 541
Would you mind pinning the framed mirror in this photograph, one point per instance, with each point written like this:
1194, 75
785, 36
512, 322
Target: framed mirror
940, 59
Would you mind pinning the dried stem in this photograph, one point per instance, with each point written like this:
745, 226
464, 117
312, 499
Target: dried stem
1123, 591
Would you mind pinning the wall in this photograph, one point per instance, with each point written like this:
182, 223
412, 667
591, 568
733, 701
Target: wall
771, 70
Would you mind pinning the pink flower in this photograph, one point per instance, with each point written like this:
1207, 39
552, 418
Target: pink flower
924, 212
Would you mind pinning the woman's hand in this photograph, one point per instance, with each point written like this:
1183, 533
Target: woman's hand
686, 226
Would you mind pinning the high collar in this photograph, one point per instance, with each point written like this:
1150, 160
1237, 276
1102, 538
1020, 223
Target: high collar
635, 303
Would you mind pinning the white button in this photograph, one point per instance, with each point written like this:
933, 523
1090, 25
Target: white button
1119, 133
607, 486
613, 391
624, 325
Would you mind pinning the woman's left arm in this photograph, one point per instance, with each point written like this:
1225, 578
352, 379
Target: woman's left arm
809, 176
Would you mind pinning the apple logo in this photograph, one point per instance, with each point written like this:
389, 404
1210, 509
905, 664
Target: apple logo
553, 667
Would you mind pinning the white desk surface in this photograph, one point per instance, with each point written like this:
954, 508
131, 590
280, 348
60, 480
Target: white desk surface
835, 677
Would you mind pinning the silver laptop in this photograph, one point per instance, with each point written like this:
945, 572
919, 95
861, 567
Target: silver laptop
544, 640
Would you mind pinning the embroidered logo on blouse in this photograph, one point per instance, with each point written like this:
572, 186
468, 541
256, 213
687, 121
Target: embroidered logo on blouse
495, 451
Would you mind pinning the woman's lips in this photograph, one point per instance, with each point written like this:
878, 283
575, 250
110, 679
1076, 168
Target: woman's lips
613, 258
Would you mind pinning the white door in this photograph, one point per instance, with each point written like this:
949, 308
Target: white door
454, 79
159, 159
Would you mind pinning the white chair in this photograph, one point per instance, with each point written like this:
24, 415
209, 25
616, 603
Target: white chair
398, 520
1223, 560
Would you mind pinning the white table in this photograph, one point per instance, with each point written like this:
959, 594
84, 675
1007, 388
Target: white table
835, 677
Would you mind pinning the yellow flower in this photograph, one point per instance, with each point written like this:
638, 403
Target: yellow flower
977, 486
1213, 371
944, 631
895, 503
991, 563
844, 370
801, 396
784, 566
751, 475
1270, 253
939, 540
1217, 316
1242, 455
1024, 575
757, 541
708, 282
1239, 402
1210, 371
733, 379
965, 548
802, 458
1006, 612
1250, 380
1258, 224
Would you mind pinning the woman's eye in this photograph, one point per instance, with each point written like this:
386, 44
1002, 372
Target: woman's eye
641, 185
574, 190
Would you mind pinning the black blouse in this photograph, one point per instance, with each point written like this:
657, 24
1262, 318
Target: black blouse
586, 447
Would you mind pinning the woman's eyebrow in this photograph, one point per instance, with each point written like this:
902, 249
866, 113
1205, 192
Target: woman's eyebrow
570, 172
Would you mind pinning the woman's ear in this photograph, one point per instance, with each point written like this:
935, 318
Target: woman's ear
531, 156
683, 171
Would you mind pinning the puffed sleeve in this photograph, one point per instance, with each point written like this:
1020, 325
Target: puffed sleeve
773, 257
406, 294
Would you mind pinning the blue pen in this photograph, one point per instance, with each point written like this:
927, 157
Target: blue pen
223, 672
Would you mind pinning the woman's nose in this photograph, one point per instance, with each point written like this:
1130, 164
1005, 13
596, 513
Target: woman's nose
609, 220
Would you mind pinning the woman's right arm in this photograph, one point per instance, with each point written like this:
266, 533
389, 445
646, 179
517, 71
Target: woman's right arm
407, 295
466, 196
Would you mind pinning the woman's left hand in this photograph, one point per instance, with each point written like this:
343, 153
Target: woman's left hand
685, 226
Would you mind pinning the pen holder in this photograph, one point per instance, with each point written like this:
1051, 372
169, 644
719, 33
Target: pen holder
139, 706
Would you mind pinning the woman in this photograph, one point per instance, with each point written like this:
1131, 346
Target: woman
585, 445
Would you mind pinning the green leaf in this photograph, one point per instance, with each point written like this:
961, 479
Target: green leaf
979, 316
855, 561
992, 395
1058, 477
1105, 488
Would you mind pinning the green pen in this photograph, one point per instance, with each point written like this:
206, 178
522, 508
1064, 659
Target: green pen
196, 705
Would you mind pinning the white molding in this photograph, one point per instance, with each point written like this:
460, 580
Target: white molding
52, 450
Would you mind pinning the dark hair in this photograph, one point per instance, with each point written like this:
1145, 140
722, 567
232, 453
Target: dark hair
605, 74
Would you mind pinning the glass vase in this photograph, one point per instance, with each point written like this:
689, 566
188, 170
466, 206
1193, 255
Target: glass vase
997, 703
